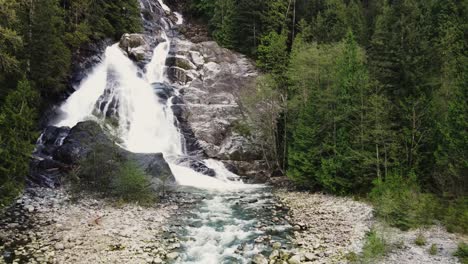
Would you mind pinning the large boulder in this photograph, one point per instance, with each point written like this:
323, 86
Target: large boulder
80, 141
84, 138
135, 46
155, 166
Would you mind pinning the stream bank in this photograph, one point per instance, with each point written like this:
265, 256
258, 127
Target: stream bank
328, 229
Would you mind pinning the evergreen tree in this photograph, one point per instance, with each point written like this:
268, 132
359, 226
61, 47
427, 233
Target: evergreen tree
18, 122
223, 22
49, 56
450, 107
273, 54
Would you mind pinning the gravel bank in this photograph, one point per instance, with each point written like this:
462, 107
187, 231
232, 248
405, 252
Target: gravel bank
46, 226
327, 227
405, 250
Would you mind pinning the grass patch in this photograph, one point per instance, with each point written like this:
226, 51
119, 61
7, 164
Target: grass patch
462, 253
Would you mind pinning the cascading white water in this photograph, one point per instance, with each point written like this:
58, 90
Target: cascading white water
156, 68
145, 124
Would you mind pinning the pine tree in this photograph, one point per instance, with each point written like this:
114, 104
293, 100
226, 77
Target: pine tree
450, 99
223, 23
17, 129
49, 56
273, 54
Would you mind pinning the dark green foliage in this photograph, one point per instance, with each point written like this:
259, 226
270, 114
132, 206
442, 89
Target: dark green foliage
331, 143
455, 215
18, 116
241, 24
132, 184
462, 253
272, 53
49, 57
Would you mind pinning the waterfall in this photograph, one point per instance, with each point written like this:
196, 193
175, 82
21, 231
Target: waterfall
120, 95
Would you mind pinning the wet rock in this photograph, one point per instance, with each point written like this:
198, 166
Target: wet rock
274, 255
163, 91
259, 259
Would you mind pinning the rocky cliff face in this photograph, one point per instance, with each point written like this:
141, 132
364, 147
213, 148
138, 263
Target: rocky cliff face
204, 82
210, 78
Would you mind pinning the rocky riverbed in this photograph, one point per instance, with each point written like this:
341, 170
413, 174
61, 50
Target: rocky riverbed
50, 226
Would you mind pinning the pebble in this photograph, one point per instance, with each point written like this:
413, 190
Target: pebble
296, 259
59, 246
29, 208
172, 256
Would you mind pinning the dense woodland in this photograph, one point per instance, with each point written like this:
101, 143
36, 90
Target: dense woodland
359, 97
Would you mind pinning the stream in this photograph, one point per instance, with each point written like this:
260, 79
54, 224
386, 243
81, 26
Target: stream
232, 226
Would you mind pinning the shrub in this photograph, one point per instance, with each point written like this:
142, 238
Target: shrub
399, 202
433, 250
132, 184
97, 169
420, 240
455, 216
394, 199
462, 253
374, 248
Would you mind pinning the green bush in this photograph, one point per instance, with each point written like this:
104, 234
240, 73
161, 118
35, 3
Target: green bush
394, 200
420, 240
374, 248
462, 253
399, 202
455, 216
433, 250
132, 184
104, 171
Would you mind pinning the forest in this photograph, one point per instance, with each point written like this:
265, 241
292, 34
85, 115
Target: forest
365, 98
361, 98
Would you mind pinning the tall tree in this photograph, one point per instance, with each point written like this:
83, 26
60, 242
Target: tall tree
49, 56
18, 133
